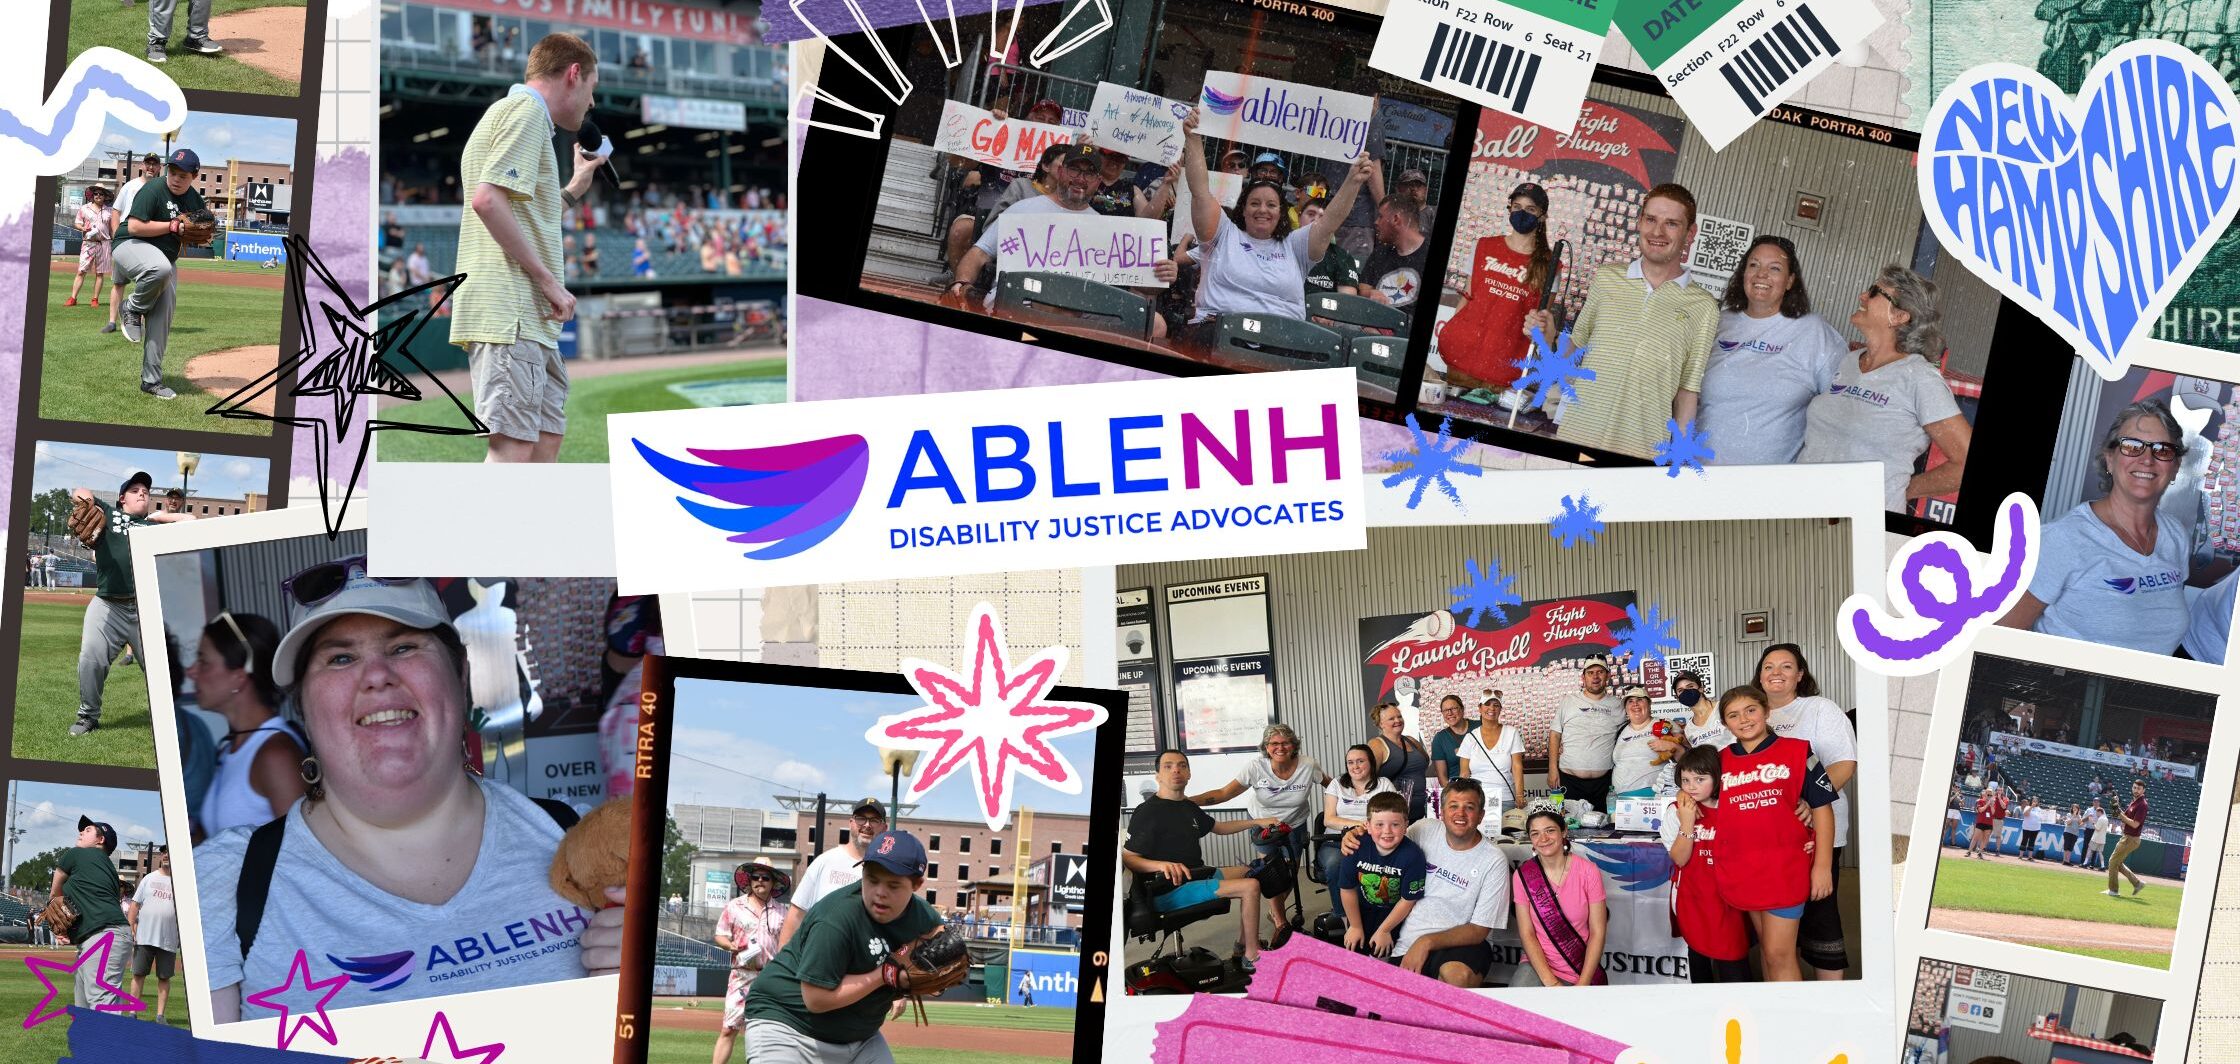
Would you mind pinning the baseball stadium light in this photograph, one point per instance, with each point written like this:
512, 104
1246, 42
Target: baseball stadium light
188, 463
897, 762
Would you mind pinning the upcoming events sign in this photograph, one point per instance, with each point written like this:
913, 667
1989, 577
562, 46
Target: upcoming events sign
1284, 115
1014, 144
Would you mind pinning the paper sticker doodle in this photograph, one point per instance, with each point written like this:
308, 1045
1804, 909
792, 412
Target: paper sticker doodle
1530, 58
59, 132
1942, 613
1726, 62
2090, 212
98, 956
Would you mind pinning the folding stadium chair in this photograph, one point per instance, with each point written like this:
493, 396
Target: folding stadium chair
1355, 314
1376, 359
1273, 342
1064, 300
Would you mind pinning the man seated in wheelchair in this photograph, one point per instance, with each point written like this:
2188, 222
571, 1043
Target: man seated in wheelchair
1163, 852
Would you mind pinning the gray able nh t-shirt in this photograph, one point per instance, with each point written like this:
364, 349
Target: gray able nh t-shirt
2099, 590
1761, 374
159, 914
504, 928
1244, 275
1878, 417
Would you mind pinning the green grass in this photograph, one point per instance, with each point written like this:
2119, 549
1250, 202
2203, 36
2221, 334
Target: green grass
125, 28
49, 1042
1989, 887
47, 698
590, 400
2142, 958
89, 375
1009, 1017
695, 1047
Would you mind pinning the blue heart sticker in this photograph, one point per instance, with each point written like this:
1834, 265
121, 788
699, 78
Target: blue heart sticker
2090, 212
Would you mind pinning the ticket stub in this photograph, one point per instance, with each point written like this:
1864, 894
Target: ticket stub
1726, 62
1529, 58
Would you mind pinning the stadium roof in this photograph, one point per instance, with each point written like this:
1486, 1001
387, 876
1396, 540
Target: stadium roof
2055, 685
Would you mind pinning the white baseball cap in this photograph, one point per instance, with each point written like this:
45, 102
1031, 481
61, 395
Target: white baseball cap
341, 587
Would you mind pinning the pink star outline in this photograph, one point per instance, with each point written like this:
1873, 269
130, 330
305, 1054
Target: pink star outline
318, 1021
984, 717
45, 969
479, 1055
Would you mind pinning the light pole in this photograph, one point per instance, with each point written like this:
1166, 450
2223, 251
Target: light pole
188, 463
896, 762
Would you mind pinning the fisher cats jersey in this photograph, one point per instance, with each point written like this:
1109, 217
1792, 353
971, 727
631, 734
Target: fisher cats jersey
1710, 925
1765, 855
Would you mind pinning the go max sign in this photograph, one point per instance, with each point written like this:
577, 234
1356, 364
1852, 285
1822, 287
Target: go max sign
977, 482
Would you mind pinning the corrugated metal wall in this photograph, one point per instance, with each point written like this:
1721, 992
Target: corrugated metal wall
249, 574
1702, 573
2074, 476
2028, 999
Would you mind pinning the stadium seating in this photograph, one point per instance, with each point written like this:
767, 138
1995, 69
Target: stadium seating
688, 953
614, 245
13, 913
2061, 781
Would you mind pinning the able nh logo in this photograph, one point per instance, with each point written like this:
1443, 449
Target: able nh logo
790, 497
2091, 212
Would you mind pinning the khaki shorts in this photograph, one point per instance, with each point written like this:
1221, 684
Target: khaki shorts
520, 389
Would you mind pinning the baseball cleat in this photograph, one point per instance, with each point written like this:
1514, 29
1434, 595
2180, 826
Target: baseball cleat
155, 53
134, 323
205, 46
97, 301
86, 722
109, 328
2137, 887
159, 391
2111, 894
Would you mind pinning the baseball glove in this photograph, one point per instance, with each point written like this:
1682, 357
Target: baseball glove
199, 229
60, 916
88, 522
928, 965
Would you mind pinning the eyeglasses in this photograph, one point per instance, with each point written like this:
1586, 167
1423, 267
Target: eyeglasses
248, 656
2130, 447
324, 581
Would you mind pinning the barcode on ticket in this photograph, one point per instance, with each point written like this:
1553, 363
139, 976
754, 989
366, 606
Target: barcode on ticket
1460, 57
1760, 74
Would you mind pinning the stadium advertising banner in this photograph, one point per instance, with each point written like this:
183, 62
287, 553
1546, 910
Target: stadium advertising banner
692, 113
2004, 741
1044, 978
255, 247
675, 980
667, 18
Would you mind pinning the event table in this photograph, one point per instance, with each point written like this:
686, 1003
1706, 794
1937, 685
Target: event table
1637, 883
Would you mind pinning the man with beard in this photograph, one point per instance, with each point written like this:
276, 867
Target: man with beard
1072, 182
1394, 273
1584, 736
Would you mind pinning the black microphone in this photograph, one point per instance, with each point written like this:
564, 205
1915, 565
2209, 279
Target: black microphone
589, 142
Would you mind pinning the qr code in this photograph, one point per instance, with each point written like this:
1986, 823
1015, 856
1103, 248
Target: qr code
1720, 245
1982, 979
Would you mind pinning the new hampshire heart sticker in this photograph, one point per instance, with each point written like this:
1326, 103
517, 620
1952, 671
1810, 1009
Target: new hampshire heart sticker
2091, 212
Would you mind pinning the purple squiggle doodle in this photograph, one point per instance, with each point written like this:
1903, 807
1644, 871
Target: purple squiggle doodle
1869, 635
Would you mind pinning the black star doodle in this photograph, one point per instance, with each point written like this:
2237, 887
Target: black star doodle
356, 365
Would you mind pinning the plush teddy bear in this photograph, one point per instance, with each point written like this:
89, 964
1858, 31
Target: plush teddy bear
1670, 731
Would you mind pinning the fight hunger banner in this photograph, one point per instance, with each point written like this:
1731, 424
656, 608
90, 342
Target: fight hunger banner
1726, 62
1137, 124
1530, 58
1103, 248
1014, 144
1284, 115
1438, 645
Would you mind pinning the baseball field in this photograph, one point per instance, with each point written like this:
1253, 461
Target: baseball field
684, 1032
49, 1042
595, 390
263, 40
2052, 907
225, 331
47, 692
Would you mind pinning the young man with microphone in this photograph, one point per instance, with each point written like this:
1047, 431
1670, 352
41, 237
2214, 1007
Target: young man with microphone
508, 312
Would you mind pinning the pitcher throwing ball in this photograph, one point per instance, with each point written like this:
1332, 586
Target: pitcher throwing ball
508, 312
824, 997
162, 216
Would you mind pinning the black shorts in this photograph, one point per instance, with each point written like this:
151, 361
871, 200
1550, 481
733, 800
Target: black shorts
146, 958
2029, 842
1477, 956
1820, 930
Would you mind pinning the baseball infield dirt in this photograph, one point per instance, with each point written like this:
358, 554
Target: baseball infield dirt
195, 274
59, 598
268, 38
222, 373
2043, 930
905, 1033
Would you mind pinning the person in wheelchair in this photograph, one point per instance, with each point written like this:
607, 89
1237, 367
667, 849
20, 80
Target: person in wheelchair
1164, 833
1466, 897
1280, 784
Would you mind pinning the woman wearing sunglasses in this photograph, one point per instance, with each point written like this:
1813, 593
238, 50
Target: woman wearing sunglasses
397, 849
1888, 404
259, 771
2113, 570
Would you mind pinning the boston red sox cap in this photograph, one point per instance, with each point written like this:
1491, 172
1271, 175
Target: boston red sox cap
898, 852
186, 159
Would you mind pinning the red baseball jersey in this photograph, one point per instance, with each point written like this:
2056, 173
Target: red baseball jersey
1765, 855
1710, 925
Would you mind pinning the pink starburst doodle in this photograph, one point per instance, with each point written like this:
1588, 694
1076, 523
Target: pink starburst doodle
994, 718
98, 956
318, 1021
479, 1054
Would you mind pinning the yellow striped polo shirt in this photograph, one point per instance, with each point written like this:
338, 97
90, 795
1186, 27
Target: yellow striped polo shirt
1644, 347
511, 147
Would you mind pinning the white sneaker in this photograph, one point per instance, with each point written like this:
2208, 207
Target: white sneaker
2111, 894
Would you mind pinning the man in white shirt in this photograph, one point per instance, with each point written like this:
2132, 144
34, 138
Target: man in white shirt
1465, 898
1583, 736
834, 868
154, 916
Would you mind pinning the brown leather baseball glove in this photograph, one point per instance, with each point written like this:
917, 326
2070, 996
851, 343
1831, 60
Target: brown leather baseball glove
929, 964
199, 228
88, 521
60, 916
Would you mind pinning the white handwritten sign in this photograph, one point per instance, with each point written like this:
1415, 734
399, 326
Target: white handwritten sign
1014, 144
1284, 115
1137, 124
1225, 188
1112, 250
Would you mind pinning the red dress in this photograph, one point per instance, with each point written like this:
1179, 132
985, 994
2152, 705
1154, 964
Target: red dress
1704, 919
1481, 345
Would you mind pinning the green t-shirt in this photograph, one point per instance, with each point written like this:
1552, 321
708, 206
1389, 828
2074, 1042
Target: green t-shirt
112, 559
836, 939
155, 203
1338, 266
92, 886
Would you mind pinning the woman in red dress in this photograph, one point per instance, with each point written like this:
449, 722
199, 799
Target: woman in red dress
1484, 340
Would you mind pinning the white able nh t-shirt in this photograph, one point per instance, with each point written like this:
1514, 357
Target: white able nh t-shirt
2099, 590
1819, 721
1293, 800
1713, 733
2211, 625
1633, 764
1589, 728
1243, 275
1762, 373
1464, 886
504, 928
1878, 417
1356, 806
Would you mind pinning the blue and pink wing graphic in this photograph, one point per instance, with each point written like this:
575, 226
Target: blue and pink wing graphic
783, 499
1220, 103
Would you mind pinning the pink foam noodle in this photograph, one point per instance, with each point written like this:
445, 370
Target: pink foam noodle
1222, 1030
1310, 974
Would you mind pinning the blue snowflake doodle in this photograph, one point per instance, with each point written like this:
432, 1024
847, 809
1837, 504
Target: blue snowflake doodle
1551, 370
1431, 461
1484, 593
1578, 523
1683, 448
1645, 636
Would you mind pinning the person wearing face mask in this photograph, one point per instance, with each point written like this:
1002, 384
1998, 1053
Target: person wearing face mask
1583, 735
1485, 339
1772, 357
1891, 402
2113, 570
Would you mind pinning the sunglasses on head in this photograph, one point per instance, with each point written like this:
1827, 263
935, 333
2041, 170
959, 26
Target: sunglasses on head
2130, 447
248, 655
324, 581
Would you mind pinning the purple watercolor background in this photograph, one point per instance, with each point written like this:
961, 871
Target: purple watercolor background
342, 218
15, 276
832, 17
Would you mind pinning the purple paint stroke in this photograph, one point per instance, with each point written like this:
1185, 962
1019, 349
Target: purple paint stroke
833, 18
1952, 617
341, 215
15, 276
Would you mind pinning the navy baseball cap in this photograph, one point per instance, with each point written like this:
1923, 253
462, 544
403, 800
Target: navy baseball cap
898, 852
140, 478
109, 834
186, 159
